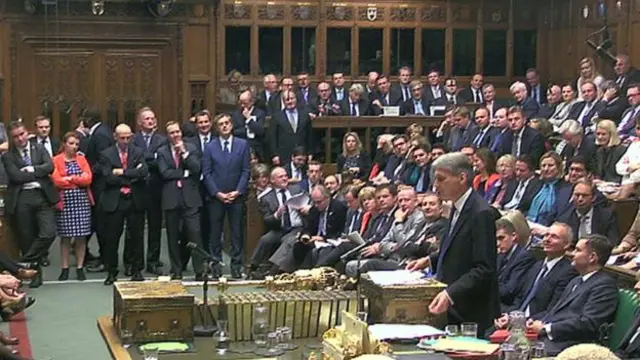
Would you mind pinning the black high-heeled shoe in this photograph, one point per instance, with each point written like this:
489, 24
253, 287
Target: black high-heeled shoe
80, 274
64, 275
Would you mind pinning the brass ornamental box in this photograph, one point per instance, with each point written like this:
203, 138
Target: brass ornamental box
408, 304
152, 311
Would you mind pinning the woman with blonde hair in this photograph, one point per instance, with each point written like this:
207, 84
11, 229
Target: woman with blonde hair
543, 207
609, 152
382, 155
353, 158
588, 72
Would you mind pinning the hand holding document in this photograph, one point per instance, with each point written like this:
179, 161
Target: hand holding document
298, 201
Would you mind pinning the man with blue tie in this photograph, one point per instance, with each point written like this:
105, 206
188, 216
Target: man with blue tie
226, 172
627, 125
486, 132
417, 104
289, 129
537, 91
149, 140
501, 123
586, 110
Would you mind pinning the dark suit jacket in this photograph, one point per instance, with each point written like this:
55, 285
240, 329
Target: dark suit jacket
226, 172
487, 138
631, 77
351, 223
364, 108
83, 139
133, 177
468, 258
577, 317
587, 150
467, 95
628, 349
512, 273
336, 218
453, 138
282, 139
413, 177
326, 108
256, 126
613, 110
542, 95
606, 160
530, 107
444, 101
546, 110
156, 141
269, 204
312, 96
345, 93
189, 129
532, 144
530, 192
497, 105
172, 195
409, 108
392, 99
101, 139
364, 163
604, 222
55, 144
42, 166
428, 93
379, 227
261, 101
576, 109
550, 291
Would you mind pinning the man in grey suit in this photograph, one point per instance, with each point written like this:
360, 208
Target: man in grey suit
588, 302
408, 225
464, 130
279, 219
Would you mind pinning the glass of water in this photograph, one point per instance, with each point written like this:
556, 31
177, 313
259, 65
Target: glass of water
150, 352
452, 330
537, 350
469, 330
285, 338
260, 331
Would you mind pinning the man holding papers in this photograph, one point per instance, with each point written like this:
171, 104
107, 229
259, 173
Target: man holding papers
468, 256
281, 217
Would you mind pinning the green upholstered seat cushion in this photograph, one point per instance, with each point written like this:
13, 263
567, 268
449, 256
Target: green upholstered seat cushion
628, 304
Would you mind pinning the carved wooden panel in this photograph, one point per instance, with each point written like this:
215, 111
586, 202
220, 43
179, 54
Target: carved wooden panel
371, 13
198, 96
237, 11
403, 14
434, 13
464, 12
524, 13
495, 13
271, 12
304, 12
2, 100
111, 9
340, 13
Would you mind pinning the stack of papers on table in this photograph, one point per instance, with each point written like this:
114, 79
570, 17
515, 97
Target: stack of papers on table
403, 332
397, 277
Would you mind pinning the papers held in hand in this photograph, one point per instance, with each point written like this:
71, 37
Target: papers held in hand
298, 201
355, 238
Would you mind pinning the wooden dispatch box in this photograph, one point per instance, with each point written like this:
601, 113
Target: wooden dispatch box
152, 311
408, 304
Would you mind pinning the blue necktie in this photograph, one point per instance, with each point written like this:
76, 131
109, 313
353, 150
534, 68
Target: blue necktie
418, 108
420, 183
445, 244
147, 139
585, 118
27, 158
226, 146
535, 287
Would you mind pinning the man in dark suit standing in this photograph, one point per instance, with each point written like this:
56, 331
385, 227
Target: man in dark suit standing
149, 140
473, 93
588, 302
100, 138
529, 106
325, 220
289, 128
248, 124
468, 255
82, 131
43, 135
434, 90
338, 90
30, 196
180, 169
536, 90
522, 139
124, 170
279, 219
520, 193
325, 105
450, 96
263, 98
226, 171
386, 97
587, 217
307, 95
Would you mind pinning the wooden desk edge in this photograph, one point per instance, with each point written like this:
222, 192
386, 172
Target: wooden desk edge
111, 339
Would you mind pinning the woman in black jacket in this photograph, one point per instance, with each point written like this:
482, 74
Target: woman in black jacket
353, 159
609, 152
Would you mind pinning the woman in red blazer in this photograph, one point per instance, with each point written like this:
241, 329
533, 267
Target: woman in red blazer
72, 176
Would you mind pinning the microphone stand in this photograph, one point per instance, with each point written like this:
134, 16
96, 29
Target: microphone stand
208, 328
360, 306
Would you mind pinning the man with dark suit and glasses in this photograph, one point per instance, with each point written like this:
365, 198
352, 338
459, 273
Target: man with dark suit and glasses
288, 129
124, 170
468, 257
180, 169
30, 196
226, 171
149, 140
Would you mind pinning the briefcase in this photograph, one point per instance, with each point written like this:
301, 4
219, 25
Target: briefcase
152, 311
406, 304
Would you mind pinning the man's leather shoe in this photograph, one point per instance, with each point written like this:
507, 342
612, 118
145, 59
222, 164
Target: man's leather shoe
176, 276
45, 261
216, 272
137, 276
199, 277
36, 281
155, 270
27, 274
111, 278
256, 275
236, 273
8, 340
96, 268
127, 270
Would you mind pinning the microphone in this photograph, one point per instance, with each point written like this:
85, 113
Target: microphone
198, 250
356, 249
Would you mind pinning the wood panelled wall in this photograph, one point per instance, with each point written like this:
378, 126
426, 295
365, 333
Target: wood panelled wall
565, 30
58, 61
